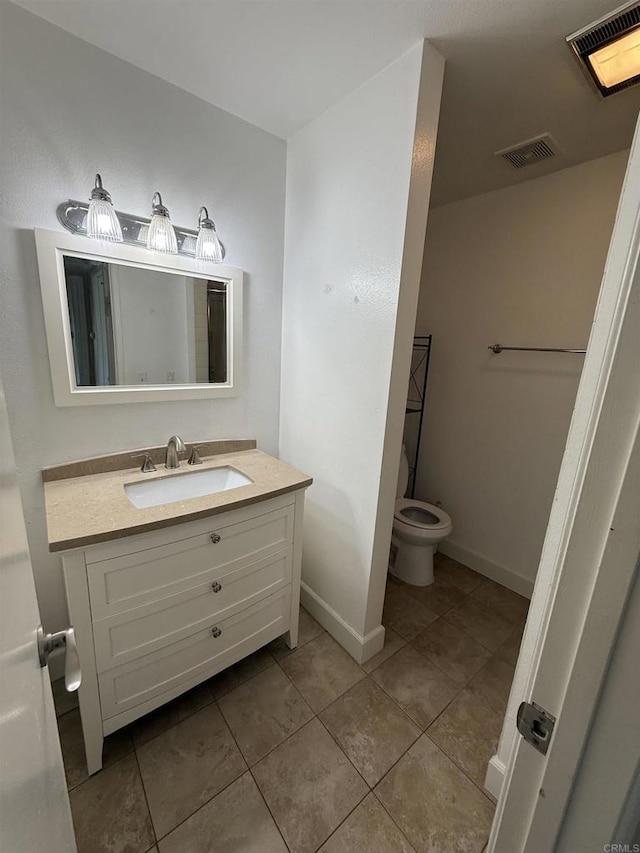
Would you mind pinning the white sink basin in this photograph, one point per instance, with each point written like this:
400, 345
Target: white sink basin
180, 487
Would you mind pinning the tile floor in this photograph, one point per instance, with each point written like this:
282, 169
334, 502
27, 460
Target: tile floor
306, 751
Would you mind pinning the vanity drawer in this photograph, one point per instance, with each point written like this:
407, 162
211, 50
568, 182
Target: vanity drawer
132, 580
126, 636
202, 653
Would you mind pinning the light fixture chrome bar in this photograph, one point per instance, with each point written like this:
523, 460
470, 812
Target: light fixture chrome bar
498, 348
72, 215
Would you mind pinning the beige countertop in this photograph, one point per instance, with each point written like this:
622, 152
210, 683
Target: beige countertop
85, 509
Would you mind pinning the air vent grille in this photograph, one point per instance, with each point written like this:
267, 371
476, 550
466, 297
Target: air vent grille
529, 152
603, 32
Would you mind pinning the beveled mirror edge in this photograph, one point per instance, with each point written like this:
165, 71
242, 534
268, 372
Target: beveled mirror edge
52, 245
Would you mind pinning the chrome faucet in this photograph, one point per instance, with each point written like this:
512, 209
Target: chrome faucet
175, 445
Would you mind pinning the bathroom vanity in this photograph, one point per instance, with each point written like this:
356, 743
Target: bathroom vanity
163, 597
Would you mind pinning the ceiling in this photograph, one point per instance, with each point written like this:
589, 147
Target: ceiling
280, 63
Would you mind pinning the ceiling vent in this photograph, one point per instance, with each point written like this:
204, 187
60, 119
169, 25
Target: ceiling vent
529, 152
608, 50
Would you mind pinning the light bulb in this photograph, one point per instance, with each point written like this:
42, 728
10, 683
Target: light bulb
208, 247
102, 220
161, 236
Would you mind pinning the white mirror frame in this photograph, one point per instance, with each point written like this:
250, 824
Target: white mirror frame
51, 247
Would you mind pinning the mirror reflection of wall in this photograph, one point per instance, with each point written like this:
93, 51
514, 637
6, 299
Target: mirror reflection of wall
132, 326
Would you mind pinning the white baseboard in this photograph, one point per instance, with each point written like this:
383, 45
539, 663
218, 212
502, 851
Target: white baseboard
495, 776
360, 648
485, 567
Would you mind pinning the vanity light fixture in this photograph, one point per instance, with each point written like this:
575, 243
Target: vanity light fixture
102, 221
98, 219
161, 236
208, 246
188, 245
609, 49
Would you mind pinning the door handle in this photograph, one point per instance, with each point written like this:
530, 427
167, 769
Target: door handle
48, 642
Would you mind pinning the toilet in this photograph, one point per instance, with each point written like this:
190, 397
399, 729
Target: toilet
417, 529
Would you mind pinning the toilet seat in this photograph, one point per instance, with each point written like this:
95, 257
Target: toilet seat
421, 515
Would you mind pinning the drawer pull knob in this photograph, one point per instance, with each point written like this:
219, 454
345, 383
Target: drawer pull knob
215, 538
216, 587
216, 632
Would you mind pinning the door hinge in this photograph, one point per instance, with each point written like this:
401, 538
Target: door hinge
535, 725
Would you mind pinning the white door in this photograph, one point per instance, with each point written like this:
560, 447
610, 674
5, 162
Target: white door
586, 575
34, 806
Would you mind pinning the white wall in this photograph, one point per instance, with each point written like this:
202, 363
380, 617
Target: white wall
69, 110
520, 266
349, 174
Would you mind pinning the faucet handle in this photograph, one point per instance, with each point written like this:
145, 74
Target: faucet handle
194, 458
147, 466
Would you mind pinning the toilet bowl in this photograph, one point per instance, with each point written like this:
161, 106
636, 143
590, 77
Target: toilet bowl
417, 529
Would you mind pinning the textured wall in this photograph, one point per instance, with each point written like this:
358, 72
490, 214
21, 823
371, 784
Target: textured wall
70, 110
519, 266
348, 182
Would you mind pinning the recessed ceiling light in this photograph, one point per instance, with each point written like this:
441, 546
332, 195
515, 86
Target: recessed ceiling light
609, 49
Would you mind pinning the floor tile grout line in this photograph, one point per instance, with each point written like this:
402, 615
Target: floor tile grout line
146, 798
184, 820
250, 771
103, 768
202, 805
206, 705
317, 717
236, 686
391, 817
475, 639
397, 705
423, 729
370, 789
214, 700
435, 663
345, 819
173, 725
423, 733
460, 768
253, 764
264, 800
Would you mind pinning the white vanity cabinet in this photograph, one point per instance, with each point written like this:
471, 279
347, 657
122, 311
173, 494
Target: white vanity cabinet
157, 613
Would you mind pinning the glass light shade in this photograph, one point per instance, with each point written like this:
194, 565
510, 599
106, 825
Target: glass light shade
618, 61
208, 247
161, 236
102, 221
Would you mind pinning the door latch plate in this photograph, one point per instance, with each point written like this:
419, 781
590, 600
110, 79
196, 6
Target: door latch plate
535, 725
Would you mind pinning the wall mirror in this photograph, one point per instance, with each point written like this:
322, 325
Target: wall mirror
128, 325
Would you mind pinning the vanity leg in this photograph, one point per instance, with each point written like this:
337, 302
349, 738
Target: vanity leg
93, 749
76, 584
291, 637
